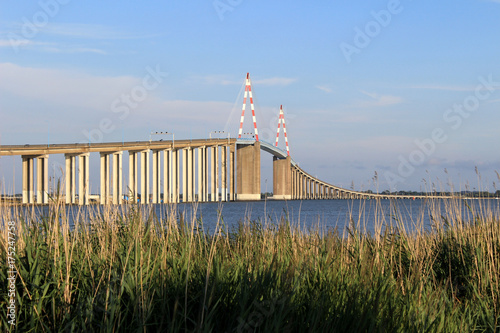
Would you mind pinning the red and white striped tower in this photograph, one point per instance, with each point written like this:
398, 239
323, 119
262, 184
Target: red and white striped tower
280, 120
248, 91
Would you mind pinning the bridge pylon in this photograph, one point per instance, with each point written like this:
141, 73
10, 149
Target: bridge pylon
281, 119
248, 92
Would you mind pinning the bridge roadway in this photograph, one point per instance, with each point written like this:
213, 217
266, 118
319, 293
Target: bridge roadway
199, 170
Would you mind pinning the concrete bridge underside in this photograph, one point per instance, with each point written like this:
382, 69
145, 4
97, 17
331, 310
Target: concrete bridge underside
171, 172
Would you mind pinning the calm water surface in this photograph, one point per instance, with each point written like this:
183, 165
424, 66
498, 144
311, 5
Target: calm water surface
368, 215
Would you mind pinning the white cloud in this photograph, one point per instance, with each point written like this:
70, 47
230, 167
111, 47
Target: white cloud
325, 89
200, 111
69, 32
63, 87
20, 42
48, 47
378, 100
444, 87
74, 50
89, 31
222, 80
226, 80
275, 81
74, 102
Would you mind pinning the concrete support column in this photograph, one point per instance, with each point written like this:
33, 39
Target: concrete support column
223, 173
70, 174
282, 178
303, 184
133, 188
189, 170
83, 179
145, 176
175, 176
104, 194
206, 175
297, 184
167, 176
184, 175
301, 187
248, 172
232, 180
117, 178
200, 191
213, 173
28, 181
42, 179
156, 177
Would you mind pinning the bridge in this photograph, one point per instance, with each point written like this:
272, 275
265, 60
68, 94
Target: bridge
204, 170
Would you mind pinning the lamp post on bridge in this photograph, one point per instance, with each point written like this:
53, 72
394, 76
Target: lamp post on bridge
249, 133
219, 132
163, 133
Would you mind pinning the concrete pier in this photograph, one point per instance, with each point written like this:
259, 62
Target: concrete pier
83, 179
232, 165
117, 178
212, 170
201, 174
167, 181
248, 172
223, 173
156, 176
104, 193
70, 178
145, 176
213, 173
42, 179
175, 176
132, 190
282, 178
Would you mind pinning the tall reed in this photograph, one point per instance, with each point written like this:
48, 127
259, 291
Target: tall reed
125, 268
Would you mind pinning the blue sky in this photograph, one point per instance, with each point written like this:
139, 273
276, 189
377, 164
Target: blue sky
405, 88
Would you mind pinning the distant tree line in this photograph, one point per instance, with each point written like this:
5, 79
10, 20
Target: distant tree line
469, 194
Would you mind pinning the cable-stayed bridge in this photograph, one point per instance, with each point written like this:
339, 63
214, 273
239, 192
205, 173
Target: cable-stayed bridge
173, 171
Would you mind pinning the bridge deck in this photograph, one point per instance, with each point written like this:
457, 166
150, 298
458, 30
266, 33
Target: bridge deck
114, 147
81, 148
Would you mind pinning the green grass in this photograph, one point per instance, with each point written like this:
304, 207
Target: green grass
121, 271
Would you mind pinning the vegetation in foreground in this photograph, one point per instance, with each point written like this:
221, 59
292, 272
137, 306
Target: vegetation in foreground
125, 269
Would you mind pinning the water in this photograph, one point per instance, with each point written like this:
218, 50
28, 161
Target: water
325, 214
370, 216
